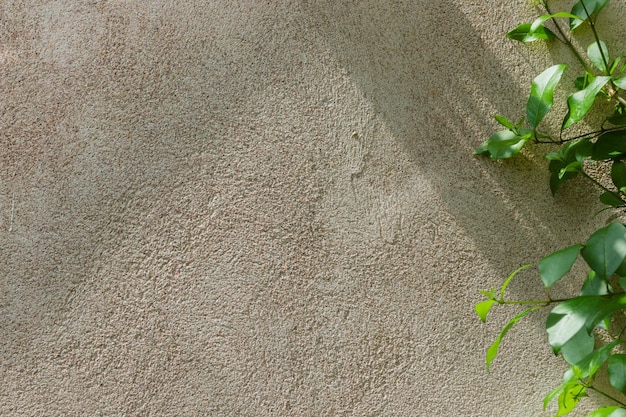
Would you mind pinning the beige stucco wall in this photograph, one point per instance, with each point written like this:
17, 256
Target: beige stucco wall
263, 208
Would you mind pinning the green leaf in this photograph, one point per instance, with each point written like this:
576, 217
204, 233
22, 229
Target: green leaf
580, 103
541, 94
522, 33
595, 52
612, 199
569, 317
617, 372
593, 6
504, 121
570, 397
620, 82
609, 145
507, 281
554, 266
605, 249
618, 174
595, 285
492, 352
578, 347
501, 145
611, 411
482, 309
541, 19
590, 364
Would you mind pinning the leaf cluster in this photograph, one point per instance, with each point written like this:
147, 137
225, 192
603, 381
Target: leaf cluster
572, 322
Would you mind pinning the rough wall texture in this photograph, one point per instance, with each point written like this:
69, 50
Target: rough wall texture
261, 208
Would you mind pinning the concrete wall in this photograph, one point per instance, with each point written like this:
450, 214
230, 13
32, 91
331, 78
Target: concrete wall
261, 208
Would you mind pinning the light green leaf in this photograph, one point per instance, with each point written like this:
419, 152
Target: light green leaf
492, 352
605, 249
595, 52
592, 6
541, 19
611, 411
541, 94
570, 397
522, 33
580, 102
482, 309
617, 372
554, 266
578, 347
503, 144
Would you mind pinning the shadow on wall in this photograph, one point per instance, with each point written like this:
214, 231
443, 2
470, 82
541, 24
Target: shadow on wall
436, 84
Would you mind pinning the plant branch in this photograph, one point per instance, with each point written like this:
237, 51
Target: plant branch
595, 35
566, 40
604, 394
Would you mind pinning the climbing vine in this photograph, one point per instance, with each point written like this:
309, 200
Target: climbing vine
598, 156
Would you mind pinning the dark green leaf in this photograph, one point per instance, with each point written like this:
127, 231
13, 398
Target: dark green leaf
580, 102
618, 174
611, 411
609, 145
597, 53
581, 82
592, 6
523, 33
611, 199
554, 266
569, 317
482, 309
541, 94
617, 372
605, 249
492, 352
578, 347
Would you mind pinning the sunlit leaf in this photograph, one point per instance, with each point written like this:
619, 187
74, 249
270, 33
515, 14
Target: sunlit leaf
580, 102
522, 33
482, 309
541, 94
554, 266
570, 316
598, 53
592, 6
605, 249
492, 352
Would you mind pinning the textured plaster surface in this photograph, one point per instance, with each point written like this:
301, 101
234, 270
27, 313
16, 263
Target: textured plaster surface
262, 208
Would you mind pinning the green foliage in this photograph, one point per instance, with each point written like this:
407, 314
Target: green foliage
572, 322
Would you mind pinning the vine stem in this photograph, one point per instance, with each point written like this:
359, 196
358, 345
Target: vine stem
566, 41
589, 135
595, 35
604, 394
